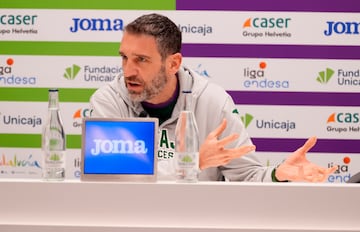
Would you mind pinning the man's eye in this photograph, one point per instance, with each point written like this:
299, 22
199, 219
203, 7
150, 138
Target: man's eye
141, 59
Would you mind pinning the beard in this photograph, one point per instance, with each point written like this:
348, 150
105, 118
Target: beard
151, 89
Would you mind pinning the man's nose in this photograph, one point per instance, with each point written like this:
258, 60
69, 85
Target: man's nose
129, 69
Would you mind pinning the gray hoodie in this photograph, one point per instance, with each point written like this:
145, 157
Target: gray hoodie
210, 105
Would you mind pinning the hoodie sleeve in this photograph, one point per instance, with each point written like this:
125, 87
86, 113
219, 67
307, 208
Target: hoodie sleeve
214, 104
247, 167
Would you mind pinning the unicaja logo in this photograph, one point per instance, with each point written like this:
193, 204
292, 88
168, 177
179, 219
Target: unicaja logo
285, 125
71, 72
246, 119
118, 147
324, 76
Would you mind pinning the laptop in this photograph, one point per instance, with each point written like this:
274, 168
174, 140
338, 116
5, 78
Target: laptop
119, 149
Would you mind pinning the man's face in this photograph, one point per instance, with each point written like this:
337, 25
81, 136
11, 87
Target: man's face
144, 71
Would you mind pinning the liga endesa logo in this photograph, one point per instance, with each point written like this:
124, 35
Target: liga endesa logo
8, 78
255, 78
6, 69
342, 174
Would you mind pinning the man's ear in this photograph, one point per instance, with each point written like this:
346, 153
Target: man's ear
174, 62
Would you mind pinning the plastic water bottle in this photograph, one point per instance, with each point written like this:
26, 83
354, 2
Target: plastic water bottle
187, 145
53, 141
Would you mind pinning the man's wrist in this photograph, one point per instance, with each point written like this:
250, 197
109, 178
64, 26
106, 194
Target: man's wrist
273, 176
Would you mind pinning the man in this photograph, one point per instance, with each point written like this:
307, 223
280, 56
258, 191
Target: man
151, 85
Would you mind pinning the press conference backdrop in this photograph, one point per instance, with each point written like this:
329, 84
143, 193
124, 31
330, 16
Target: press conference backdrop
292, 68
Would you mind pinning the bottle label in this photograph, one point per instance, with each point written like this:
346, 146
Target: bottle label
187, 166
188, 160
55, 159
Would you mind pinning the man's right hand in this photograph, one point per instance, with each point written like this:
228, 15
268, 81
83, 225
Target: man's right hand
213, 152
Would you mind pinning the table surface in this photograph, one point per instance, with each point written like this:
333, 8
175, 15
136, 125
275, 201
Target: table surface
36, 205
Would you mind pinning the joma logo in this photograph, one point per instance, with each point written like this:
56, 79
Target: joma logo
118, 146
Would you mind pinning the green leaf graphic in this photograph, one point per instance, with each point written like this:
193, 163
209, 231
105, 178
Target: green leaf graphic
325, 76
71, 72
186, 159
55, 157
247, 119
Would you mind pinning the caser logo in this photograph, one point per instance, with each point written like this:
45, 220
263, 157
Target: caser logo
96, 24
343, 118
343, 122
266, 27
267, 22
341, 28
82, 113
79, 115
72, 72
324, 76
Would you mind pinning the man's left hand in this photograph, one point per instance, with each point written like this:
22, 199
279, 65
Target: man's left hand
297, 168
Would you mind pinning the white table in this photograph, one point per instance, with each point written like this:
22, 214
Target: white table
36, 206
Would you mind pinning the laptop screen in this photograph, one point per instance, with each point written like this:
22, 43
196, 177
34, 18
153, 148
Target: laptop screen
119, 149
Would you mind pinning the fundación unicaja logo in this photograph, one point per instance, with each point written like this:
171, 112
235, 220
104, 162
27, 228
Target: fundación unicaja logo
325, 76
72, 72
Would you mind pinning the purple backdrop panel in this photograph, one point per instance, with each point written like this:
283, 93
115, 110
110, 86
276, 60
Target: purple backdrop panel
273, 5
295, 98
271, 51
322, 145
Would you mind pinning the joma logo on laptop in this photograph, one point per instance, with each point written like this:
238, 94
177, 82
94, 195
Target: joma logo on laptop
118, 146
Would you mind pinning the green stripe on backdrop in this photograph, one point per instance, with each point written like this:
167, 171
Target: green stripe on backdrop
34, 141
41, 94
91, 4
59, 48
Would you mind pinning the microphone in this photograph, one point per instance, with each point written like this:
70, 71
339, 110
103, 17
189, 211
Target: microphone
143, 114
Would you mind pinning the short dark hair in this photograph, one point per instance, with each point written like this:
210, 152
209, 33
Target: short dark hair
167, 34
